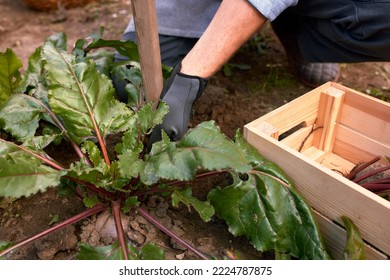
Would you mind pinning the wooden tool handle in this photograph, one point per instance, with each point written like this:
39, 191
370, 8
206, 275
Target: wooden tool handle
146, 28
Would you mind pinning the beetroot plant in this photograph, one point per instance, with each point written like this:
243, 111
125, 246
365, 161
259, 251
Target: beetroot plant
68, 97
373, 175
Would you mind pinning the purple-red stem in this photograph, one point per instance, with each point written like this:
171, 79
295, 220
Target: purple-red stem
96, 209
116, 209
361, 167
372, 173
149, 217
157, 189
377, 185
92, 187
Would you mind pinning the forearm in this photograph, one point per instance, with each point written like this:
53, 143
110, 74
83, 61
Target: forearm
234, 23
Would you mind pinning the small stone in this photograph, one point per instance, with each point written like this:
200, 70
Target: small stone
180, 256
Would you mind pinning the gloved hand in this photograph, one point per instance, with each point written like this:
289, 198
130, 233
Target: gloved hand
180, 93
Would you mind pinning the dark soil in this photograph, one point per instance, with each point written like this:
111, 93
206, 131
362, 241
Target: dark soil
233, 98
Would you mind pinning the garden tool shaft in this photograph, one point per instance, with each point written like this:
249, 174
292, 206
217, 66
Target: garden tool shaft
146, 29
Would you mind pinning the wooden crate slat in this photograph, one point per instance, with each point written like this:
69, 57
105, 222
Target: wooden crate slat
329, 111
356, 147
300, 139
336, 163
306, 111
365, 103
314, 153
370, 125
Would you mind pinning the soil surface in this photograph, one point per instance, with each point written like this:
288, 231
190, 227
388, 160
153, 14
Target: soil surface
256, 81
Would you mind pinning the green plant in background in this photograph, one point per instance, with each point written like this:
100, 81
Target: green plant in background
69, 97
257, 44
378, 93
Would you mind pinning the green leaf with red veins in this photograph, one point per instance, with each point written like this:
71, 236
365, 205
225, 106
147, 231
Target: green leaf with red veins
20, 116
271, 214
259, 162
82, 97
22, 172
24, 178
34, 81
9, 74
201, 148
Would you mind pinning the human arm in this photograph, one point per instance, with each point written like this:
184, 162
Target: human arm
233, 24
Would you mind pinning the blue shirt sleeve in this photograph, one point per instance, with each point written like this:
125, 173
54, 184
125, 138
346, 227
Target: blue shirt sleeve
272, 8
191, 17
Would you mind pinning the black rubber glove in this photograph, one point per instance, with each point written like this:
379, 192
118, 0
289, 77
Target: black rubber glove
180, 93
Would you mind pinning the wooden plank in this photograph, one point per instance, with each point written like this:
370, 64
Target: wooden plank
328, 192
365, 103
268, 129
356, 147
146, 28
336, 163
300, 140
329, 110
303, 109
314, 153
371, 125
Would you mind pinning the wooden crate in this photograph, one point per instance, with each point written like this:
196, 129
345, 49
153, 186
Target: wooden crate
316, 137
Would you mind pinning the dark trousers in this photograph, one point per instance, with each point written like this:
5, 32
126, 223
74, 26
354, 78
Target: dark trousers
173, 49
340, 30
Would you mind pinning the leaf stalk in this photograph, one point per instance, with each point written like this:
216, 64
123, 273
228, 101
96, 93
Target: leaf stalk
116, 209
149, 217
